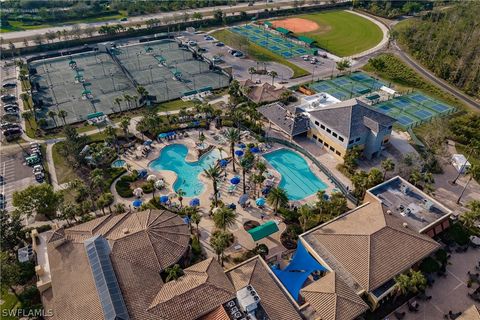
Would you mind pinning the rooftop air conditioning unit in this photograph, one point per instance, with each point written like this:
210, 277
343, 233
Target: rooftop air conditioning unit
404, 188
248, 299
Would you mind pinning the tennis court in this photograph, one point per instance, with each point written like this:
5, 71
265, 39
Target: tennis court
347, 87
62, 87
280, 45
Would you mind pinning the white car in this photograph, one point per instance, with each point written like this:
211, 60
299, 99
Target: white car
37, 168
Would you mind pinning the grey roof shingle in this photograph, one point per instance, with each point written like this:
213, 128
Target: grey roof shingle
291, 122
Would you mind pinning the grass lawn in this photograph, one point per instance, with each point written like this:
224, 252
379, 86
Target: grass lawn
173, 105
10, 302
64, 170
259, 53
343, 33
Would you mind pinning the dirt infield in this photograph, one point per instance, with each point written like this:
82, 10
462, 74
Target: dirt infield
296, 25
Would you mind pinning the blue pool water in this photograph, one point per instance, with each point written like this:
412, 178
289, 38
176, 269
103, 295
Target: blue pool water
172, 157
297, 178
118, 163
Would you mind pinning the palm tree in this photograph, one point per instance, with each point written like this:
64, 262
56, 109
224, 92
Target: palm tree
252, 71
63, 114
221, 240
109, 198
135, 99
402, 284
474, 172
174, 272
112, 134
119, 208
277, 197
196, 217
213, 173
142, 91
469, 218
418, 282
474, 147
28, 115
223, 218
273, 74
415, 178
387, 165
180, 195
233, 136
306, 214
128, 99
52, 114
246, 163
124, 123
117, 101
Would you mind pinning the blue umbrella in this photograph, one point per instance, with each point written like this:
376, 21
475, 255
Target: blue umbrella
137, 203
235, 180
239, 153
260, 202
223, 163
163, 199
265, 190
242, 145
148, 142
243, 199
186, 220
232, 206
254, 150
195, 202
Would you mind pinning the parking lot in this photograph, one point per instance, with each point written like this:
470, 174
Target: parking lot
9, 110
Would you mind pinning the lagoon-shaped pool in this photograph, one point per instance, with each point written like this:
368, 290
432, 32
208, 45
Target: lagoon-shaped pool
297, 178
172, 157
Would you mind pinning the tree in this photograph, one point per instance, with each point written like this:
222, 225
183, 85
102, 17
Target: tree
28, 115
387, 165
359, 181
119, 208
213, 173
223, 218
51, 35
10, 272
469, 218
246, 163
411, 281
111, 134
124, 123
252, 71
220, 241
37, 199
68, 211
374, 178
180, 195
197, 16
52, 114
474, 172
233, 136
277, 197
117, 101
306, 214
273, 74
343, 64
63, 114
174, 272
350, 159
11, 227
218, 15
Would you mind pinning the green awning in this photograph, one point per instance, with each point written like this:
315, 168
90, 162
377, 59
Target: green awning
205, 89
189, 93
263, 230
267, 23
160, 58
72, 62
86, 92
363, 91
95, 115
307, 40
283, 30
373, 97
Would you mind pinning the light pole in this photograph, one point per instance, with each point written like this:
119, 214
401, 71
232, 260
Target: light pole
151, 78
113, 81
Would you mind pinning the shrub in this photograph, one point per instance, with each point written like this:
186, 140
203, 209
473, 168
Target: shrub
30, 298
196, 247
441, 256
289, 237
429, 265
147, 187
289, 216
123, 188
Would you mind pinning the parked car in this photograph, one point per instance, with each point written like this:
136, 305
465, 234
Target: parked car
39, 176
8, 98
3, 201
11, 110
192, 43
37, 168
209, 38
9, 125
13, 104
9, 85
2, 180
238, 54
219, 44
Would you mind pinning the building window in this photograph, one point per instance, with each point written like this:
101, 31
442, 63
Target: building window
358, 139
329, 131
322, 126
317, 123
332, 149
338, 153
335, 134
315, 137
320, 140
326, 145
341, 139
350, 142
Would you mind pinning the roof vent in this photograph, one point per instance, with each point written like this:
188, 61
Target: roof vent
248, 299
125, 231
389, 212
405, 225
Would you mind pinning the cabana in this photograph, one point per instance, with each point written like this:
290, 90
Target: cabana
460, 163
298, 270
264, 230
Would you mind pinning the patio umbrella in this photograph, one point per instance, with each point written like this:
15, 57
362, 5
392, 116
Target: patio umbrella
235, 180
152, 177
159, 184
138, 192
164, 199
147, 143
243, 199
137, 203
265, 190
186, 220
162, 135
223, 163
232, 206
242, 145
239, 153
195, 202
260, 202
254, 150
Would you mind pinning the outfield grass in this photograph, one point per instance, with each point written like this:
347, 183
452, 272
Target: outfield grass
343, 33
259, 53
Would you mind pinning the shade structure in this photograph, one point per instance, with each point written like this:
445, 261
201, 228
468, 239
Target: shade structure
243, 199
264, 230
195, 202
152, 177
254, 150
159, 184
298, 270
260, 201
232, 206
164, 199
235, 180
239, 153
242, 145
283, 31
86, 92
138, 192
137, 203
148, 142
223, 163
162, 135
186, 220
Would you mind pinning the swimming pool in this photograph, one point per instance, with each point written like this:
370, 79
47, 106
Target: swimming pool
297, 178
119, 163
172, 157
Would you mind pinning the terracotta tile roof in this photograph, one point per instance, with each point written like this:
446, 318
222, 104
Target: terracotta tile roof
262, 93
472, 313
274, 299
217, 314
56, 235
368, 247
333, 299
201, 289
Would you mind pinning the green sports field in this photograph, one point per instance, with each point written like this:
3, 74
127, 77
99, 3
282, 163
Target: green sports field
343, 33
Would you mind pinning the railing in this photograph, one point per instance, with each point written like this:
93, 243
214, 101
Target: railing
324, 169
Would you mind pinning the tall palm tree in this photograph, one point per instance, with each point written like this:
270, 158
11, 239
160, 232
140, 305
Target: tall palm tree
277, 197
221, 240
252, 71
223, 218
273, 74
28, 115
174, 272
128, 99
52, 114
233, 136
118, 101
195, 217
63, 114
124, 123
180, 195
306, 214
213, 173
111, 133
387, 165
246, 163
474, 172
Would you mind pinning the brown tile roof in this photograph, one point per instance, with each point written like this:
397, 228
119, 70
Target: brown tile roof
203, 287
472, 313
142, 245
264, 92
333, 299
274, 299
368, 247
217, 314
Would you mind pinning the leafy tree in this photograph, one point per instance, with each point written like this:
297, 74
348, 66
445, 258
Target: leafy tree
277, 197
52, 114
474, 148
387, 166
37, 199
273, 74
220, 241
10, 272
11, 231
173, 273
223, 218
474, 172
73, 145
213, 173
233, 136
246, 163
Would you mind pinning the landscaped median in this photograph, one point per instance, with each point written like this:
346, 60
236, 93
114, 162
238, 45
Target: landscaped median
255, 51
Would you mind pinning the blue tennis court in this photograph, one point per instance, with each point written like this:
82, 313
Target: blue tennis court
405, 121
423, 114
418, 97
439, 107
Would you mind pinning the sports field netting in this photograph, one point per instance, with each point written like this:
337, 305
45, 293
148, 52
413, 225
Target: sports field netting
168, 71
276, 43
413, 109
61, 87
